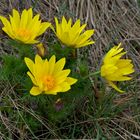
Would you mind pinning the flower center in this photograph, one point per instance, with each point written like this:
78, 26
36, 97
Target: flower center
23, 32
49, 82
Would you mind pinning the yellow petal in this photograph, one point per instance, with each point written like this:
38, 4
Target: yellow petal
57, 26
41, 49
38, 60
5, 22
125, 66
51, 64
59, 65
108, 69
71, 80
69, 23
24, 19
124, 62
38, 66
54, 91
8, 32
114, 54
77, 29
32, 78
13, 23
30, 15
7, 25
34, 23
122, 78
51, 92
115, 87
117, 77
74, 33
115, 51
61, 76
65, 38
76, 25
119, 45
113, 59
65, 87
125, 70
85, 44
46, 67
29, 64
82, 28
16, 17
43, 27
35, 29
35, 91
86, 35
64, 23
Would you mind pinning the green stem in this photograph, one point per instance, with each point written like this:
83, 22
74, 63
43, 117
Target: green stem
91, 74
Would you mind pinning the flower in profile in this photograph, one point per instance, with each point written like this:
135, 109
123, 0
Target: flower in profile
73, 36
24, 28
41, 49
48, 76
116, 69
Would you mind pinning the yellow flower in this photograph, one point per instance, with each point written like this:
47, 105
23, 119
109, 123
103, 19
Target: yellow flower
116, 69
24, 28
72, 36
41, 49
49, 76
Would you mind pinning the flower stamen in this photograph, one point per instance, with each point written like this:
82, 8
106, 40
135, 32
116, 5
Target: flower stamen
49, 82
23, 32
